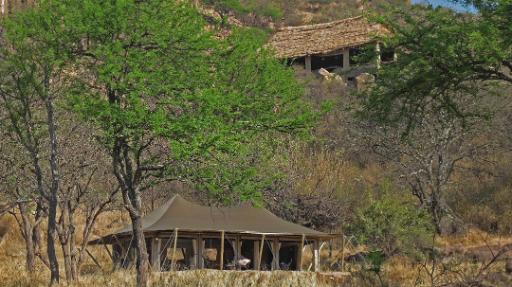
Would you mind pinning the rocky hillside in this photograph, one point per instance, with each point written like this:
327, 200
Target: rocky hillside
293, 12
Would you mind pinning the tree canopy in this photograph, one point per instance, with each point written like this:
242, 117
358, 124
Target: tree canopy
167, 98
443, 56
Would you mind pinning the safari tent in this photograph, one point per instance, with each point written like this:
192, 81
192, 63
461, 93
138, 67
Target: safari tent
182, 235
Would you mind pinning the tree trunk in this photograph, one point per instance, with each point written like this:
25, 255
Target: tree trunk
54, 189
445, 221
74, 257
52, 257
437, 213
65, 231
142, 254
66, 253
28, 236
36, 233
140, 241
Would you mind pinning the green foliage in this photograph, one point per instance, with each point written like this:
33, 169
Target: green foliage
220, 104
392, 225
443, 57
376, 259
255, 99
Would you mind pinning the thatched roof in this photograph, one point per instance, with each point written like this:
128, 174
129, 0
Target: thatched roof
299, 41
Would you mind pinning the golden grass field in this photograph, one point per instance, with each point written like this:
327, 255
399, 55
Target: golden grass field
398, 271
12, 269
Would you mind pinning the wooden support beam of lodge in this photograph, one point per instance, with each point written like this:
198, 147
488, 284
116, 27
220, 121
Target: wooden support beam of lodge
191, 227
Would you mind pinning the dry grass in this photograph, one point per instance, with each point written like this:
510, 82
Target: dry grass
397, 271
204, 278
12, 269
474, 238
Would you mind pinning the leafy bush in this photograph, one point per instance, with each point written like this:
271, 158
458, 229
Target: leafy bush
394, 225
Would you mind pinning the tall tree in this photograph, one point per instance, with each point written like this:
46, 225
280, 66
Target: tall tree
16, 188
443, 56
36, 48
174, 102
427, 159
449, 66
87, 188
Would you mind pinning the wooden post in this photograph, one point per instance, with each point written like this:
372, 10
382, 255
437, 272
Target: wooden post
275, 253
316, 256
308, 63
342, 253
222, 250
195, 260
200, 247
175, 243
156, 244
238, 252
377, 52
346, 59
300, 253
261, 251
188, 252
255, 254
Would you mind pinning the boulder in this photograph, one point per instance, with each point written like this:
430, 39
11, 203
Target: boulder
324, 73
327, 76
339, 79
364, 81
452, 226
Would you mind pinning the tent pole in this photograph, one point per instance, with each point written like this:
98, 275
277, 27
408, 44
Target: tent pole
342, 252
255, 253
175, 243
93, 259
200, 248
195, 262
127, 252
108, 251
262, 245
316, 256
301, 251
276, 245
155, 254
222, 250
238, 252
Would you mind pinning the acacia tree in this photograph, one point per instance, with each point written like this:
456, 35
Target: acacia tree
445, 58
16, 188
426, 161
450, 65
174, 102
86, 189
35, 54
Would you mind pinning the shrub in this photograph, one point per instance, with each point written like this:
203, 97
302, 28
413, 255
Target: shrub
393, 225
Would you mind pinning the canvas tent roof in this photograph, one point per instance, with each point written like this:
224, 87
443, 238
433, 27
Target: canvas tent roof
299, 41
187, 216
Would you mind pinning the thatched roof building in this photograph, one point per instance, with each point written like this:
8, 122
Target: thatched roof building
262, 239
325, 38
